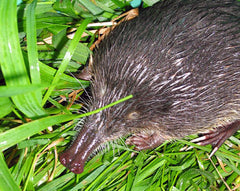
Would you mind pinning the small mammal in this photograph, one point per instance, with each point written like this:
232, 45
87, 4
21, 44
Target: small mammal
180, 59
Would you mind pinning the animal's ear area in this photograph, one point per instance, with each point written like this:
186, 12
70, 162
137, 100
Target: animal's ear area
85, 74
133, 115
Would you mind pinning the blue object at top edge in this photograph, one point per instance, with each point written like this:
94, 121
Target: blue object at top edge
135, 3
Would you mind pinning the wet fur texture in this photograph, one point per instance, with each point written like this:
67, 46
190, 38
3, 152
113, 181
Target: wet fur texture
181, 62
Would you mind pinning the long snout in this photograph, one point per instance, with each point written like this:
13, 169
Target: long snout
75, 156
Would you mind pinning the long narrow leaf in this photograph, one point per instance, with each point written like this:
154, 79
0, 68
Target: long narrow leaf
12, 63
15, 135
7, 182
32, 49
8, 91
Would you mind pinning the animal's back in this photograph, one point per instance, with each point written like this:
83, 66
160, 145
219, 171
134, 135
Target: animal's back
182, 65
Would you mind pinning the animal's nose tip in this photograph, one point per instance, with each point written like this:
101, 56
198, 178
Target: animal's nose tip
77, 169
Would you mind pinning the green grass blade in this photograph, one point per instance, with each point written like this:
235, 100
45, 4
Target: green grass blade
67, 58
91, 7
109, 105
34, 67
47, 74
7, 182
58, 183
8, 91
12, 62
15, 135
5, 105
32, 44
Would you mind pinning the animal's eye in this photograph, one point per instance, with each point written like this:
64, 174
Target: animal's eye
133, 115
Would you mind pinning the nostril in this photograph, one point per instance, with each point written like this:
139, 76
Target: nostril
77, 168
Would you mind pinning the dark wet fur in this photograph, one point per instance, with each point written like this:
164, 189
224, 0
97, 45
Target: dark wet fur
181, 62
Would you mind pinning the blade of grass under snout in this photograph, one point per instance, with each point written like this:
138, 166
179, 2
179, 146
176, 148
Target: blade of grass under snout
58, 183
67, 58
12, 63
112, 169
7, 182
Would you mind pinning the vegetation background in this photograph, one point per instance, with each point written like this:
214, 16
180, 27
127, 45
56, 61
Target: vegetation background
43, 44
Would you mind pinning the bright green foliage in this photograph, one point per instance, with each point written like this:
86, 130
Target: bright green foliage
38, 112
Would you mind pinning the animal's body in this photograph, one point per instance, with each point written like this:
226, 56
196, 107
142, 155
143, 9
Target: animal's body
180, 59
